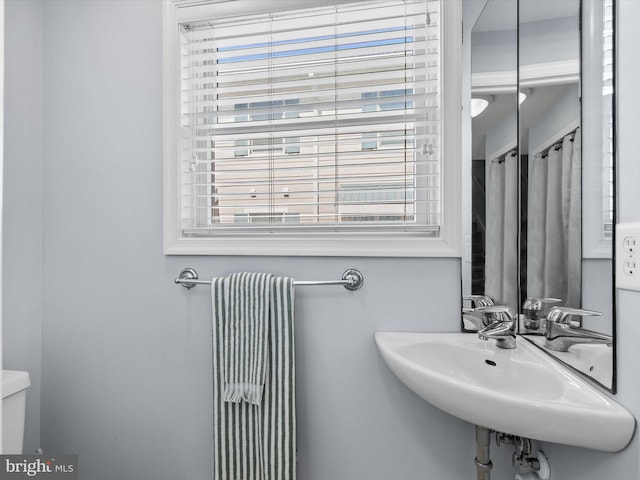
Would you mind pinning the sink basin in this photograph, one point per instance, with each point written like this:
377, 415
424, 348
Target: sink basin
592, 359
521, 391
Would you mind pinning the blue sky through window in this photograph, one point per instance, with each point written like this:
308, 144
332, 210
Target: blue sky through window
312, 50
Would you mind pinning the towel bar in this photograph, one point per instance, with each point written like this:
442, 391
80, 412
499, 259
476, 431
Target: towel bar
352, 280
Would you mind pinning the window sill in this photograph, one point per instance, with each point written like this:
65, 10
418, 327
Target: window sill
327, 245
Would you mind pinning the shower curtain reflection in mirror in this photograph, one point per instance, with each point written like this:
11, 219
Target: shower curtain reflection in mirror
501, 254
554, 243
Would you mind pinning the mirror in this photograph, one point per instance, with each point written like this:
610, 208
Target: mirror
490, 267
547, 161
566, 150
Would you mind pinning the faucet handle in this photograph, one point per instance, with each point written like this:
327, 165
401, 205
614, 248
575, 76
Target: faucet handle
478, 301
562, 315
497, 313
502, 328
496, 308
534, 310
532, 303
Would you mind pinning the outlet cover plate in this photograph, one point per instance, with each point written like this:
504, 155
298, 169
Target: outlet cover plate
628, 256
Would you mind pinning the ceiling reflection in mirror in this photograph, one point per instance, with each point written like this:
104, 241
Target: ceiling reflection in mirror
542, 202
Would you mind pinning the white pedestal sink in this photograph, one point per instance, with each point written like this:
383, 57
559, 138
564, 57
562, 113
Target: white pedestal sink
520, 391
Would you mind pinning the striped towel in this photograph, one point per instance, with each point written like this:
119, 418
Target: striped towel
256, 441
245, 341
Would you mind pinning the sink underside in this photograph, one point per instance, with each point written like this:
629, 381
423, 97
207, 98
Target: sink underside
521, 391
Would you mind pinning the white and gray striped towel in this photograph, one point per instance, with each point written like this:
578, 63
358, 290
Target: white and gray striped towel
253, 378
245, 321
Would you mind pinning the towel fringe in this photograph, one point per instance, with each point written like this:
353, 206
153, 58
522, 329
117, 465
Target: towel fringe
238, 392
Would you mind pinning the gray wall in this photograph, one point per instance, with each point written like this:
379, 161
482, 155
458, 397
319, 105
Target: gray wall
126, 380
494, 51
549, 40
560, 113
22, 216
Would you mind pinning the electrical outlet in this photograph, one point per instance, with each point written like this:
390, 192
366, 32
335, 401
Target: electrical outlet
629, 244
629, 267
628, 256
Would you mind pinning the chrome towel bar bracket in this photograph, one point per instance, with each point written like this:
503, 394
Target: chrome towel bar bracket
352, 279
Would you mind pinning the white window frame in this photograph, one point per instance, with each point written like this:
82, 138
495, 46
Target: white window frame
365, 244
597, 160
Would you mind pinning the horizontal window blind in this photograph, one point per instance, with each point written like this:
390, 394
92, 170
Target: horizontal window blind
318, 118
607, 119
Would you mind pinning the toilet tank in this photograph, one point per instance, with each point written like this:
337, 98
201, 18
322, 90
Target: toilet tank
14, 385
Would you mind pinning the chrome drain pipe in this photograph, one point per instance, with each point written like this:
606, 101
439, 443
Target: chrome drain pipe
483, 458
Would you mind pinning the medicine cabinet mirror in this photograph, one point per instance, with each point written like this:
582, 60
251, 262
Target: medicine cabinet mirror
540, 229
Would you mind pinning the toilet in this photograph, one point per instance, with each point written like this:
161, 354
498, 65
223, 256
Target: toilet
14, 386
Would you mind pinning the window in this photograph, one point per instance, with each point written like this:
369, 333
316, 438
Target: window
330, 130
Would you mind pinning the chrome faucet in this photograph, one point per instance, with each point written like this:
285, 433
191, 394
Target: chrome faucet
561, 332
535, 312
502, 327
474, 312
